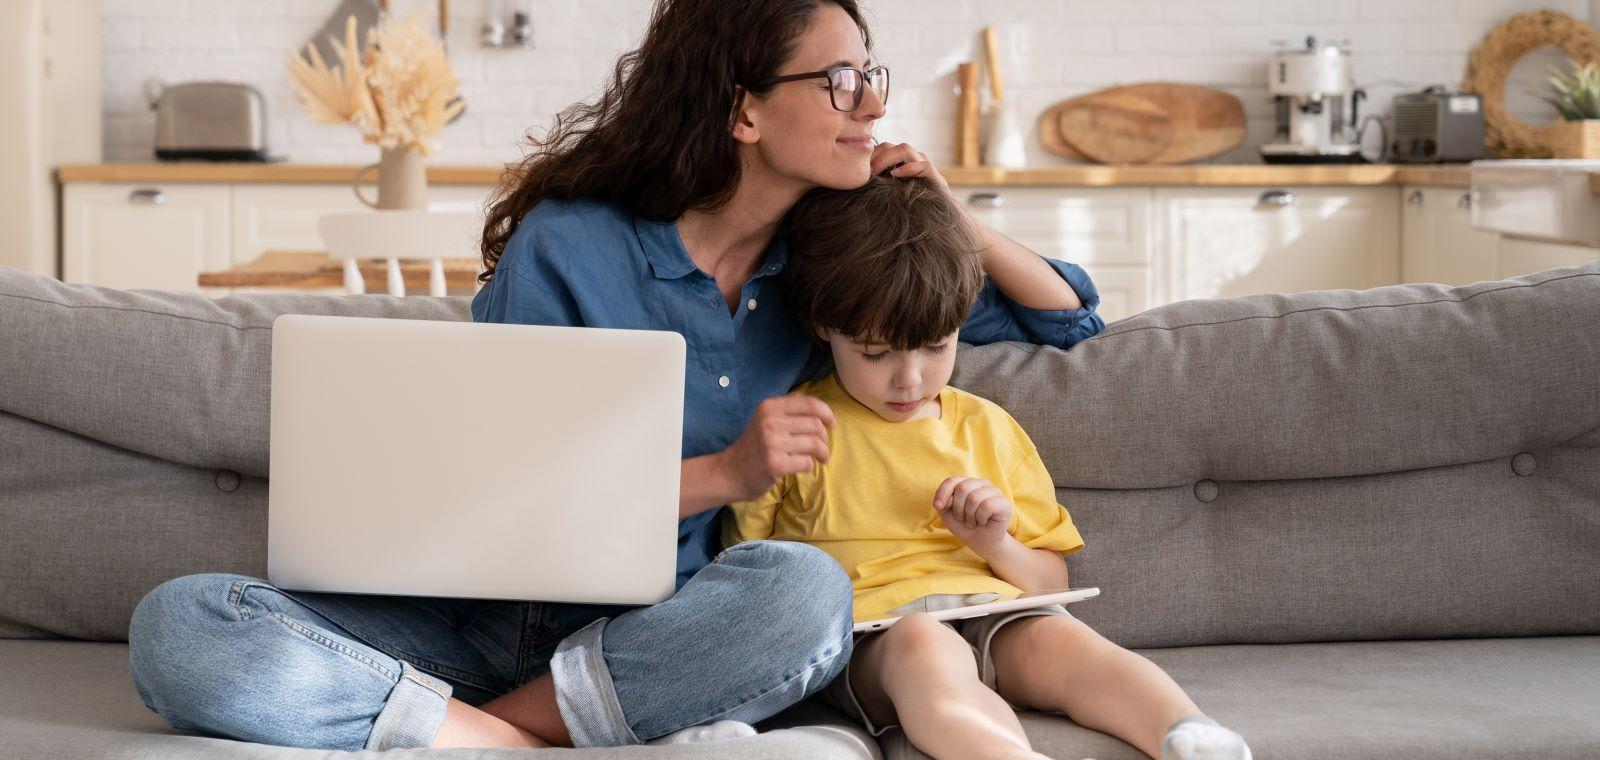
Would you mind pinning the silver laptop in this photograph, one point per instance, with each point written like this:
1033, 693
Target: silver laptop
474, 460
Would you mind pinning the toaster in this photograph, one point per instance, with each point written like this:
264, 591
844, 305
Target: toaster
221, 121
1437, 125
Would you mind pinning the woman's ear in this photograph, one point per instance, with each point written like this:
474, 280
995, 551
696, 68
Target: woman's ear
741, 123
821, 334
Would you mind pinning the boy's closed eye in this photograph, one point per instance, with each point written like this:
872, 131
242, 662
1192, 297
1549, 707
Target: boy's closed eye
938, 348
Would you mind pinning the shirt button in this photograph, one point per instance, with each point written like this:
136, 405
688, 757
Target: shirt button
712, 300
750, 304
723, 381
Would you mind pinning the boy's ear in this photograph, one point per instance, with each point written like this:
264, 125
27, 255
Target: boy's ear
821, 333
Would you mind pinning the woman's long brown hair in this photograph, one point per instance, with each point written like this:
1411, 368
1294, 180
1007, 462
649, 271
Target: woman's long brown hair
656, 141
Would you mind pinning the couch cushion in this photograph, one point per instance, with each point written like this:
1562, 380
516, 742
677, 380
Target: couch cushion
75, 699
1252, 470
177, 376
1502, 698
86, 528
1323, 384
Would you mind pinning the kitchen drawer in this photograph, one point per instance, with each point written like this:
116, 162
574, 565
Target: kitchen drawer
1438, 242
1124, 290
284, 217
1081, 225
155, 236
1520, 256
1226, 242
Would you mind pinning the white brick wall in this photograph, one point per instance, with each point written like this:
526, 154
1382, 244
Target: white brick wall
1055, 49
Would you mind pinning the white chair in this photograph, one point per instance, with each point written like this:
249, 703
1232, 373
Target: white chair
394, 235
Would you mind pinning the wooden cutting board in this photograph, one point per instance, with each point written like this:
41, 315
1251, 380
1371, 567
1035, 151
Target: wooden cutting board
1050, 132
1154, 123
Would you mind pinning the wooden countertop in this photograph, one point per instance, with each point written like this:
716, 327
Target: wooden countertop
298, 174
1066, 175
1093, 175
314, 269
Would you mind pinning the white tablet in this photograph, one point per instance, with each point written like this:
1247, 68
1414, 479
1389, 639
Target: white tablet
1023, 602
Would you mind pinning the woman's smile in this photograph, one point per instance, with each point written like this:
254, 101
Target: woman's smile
863, 143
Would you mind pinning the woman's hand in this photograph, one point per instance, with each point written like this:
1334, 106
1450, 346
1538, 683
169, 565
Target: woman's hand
975, 511
912, 163
788, 434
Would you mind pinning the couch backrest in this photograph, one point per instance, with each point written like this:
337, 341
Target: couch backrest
1404, 462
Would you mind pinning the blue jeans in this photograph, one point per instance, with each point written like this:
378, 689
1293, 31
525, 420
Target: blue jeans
762, 627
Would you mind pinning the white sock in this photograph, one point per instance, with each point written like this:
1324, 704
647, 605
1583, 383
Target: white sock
1200, 738
710, 732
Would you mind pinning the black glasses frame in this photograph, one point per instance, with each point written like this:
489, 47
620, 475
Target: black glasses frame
833, 93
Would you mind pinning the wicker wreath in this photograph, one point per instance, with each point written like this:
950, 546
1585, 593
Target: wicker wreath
1504, 135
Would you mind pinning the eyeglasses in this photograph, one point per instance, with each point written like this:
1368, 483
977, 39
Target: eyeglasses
845, 84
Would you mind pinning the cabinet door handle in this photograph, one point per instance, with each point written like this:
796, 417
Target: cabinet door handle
1467, 199
1415, 198
1276, 198
985, 200
147, 195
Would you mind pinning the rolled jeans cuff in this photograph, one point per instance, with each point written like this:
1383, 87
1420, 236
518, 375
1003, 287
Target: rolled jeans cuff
585, 694
413, 713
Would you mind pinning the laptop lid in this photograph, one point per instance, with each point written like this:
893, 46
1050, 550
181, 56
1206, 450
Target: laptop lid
461, 459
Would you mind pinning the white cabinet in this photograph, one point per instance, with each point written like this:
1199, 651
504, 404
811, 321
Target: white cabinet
1520, 256
1225, 242
144, 236
1104, 230
1438, 242
164, 235
1143, 246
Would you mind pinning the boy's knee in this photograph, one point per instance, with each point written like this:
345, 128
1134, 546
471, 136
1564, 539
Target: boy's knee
919, 636
1063, 637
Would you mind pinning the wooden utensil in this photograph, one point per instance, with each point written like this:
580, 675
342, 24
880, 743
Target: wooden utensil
991, 52
967, 117
1124, 124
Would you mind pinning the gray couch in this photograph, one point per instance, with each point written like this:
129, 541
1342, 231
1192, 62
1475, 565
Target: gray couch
1351, 524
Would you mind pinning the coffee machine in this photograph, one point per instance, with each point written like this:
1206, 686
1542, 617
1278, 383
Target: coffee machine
1317, 105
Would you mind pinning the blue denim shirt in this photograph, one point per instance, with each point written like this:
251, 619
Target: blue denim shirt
589, 263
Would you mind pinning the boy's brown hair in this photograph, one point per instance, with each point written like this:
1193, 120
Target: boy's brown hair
892, 262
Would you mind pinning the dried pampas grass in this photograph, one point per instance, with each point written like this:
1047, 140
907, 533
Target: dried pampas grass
399, 90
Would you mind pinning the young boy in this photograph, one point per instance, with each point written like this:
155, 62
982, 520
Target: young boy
933, 497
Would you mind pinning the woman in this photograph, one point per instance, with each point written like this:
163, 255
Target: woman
659, 206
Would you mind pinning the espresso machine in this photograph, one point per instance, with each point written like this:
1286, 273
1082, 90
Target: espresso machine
1317, 105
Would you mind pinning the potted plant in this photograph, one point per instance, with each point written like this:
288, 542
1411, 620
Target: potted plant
1576, 96
399, 91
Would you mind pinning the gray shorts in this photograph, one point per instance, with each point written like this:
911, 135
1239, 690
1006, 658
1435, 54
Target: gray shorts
979, 633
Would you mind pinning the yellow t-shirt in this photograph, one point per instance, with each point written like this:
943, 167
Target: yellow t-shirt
871, 504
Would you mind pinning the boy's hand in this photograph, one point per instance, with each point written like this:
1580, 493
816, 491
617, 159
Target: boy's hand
975, 511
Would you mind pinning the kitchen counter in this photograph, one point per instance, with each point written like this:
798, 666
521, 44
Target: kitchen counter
1066, 175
